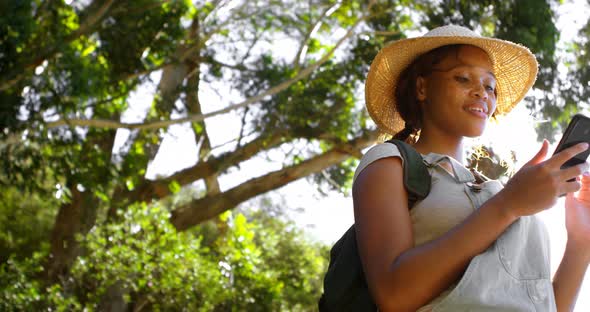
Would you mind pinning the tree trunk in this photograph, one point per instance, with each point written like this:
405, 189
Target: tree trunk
170, 88
75, 217
193, 106
113, 300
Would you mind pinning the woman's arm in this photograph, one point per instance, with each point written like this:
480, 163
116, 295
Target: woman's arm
569, 276
573, 266
402, 277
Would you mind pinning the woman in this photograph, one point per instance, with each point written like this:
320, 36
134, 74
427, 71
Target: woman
467, 246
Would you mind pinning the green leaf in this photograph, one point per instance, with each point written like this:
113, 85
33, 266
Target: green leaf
130, 185
174, 187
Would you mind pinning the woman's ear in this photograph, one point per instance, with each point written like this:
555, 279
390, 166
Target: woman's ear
421, 89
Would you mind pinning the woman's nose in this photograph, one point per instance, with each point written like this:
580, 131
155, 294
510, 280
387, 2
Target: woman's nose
479, 90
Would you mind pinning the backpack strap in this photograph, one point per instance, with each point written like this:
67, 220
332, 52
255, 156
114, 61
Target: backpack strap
416, 176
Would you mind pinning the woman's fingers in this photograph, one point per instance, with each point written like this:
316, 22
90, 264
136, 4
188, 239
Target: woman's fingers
584, 193
536, 186
560, 158
570, 187
581, 185
572, 172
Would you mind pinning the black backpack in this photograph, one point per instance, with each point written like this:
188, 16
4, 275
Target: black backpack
345, 286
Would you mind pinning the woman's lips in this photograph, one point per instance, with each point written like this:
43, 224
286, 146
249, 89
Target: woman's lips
477, 109
476, 113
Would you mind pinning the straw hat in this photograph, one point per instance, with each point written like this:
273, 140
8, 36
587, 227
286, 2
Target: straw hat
514, 66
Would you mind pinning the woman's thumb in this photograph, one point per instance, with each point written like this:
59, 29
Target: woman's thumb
540, 156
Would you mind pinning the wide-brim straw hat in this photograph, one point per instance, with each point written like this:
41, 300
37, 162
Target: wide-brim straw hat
514, 66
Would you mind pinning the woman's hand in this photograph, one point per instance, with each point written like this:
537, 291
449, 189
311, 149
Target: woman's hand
577, 217
538, 184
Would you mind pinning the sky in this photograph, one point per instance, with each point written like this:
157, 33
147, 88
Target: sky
327, 218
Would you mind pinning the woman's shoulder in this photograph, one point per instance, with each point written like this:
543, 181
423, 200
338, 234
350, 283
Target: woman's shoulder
379, 151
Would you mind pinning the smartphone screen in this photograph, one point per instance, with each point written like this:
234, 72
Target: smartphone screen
577, 131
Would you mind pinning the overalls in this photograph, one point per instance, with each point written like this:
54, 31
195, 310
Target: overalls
513, 274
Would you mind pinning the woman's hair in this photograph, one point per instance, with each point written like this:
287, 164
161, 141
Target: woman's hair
407, 104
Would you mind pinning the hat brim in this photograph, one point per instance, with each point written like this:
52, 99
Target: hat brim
514, 66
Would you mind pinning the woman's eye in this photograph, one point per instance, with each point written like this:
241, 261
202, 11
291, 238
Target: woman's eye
490, 88
461, 79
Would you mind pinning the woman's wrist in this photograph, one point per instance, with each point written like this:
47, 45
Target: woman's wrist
502, 206
577, 250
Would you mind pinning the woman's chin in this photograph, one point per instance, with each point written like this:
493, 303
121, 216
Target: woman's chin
475, 132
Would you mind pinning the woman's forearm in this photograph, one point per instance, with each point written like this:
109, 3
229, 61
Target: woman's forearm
569, 276
423, 272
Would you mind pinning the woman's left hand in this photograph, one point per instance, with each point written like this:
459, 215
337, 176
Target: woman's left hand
577, 216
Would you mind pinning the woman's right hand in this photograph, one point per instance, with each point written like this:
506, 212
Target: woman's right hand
538, 184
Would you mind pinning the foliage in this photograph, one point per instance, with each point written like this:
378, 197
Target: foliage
147, 258
237, 263
483, 159
26, 221
20, 290
572, 92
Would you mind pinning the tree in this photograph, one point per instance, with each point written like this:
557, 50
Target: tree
68, 73
81, 70
245, 260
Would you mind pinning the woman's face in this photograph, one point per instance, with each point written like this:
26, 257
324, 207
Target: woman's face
459, 96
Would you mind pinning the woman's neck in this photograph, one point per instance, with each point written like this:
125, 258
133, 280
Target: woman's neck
441, 144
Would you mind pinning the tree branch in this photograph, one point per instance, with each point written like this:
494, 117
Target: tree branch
91, 20
199, 117
207, 35
85, 27
381, 33
312, 29
210, 206
147, 71
193, 106
147, 189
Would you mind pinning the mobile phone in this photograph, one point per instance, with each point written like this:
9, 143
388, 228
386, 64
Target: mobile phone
577, 131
